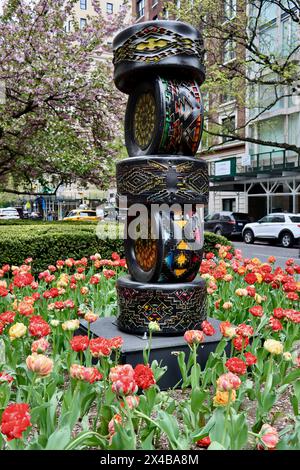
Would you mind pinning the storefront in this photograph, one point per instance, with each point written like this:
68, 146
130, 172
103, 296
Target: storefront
258, 189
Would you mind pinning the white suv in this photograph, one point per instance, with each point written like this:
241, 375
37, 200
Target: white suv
284, 228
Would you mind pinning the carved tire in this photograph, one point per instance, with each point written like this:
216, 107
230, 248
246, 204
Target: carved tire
166, 48
163, 117
175, 307
169, 249
162, 179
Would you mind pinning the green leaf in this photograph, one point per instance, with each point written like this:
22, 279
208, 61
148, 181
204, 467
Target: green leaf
123, 439
205, 430
268, 401
217, 431
295, 404
147, 443
197, 398
292, 376
183, 368
59, 439
239, 431
168, 424
216, 446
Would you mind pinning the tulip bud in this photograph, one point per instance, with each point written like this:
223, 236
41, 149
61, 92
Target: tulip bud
153, 326
269, 436
194, 337
273, 346
39, 364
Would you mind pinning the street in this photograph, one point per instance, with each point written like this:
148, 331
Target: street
263, 250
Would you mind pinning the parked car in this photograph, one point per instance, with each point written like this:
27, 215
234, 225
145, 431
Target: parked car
82, 214
275, 227
8, 213
35, 215
226, 223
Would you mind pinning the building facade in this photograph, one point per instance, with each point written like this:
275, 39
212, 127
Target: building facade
147, 10
84, 8
255, 178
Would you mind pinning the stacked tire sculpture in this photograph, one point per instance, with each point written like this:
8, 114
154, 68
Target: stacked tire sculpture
159, 64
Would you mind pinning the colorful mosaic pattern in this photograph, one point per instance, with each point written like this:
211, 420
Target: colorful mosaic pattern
153, 44
184, 238
183, 117
163, 180
180, 247
176, 310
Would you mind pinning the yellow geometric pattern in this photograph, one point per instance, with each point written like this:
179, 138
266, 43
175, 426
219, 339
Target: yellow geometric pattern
181, 259
179, 272
152, 44
182, 245
181, 223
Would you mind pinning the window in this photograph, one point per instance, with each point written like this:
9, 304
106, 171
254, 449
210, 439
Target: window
272, 219
269, 95
140, 8
82, 23
87, 214
83, 4
72, 214
268, 42
228, 127
228, 204
228, 51
109, 8
265, 219
68, 26
295, 219
278, 219
290, 36
268, 11
229, 9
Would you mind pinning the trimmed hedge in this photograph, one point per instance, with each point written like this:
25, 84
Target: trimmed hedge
48, 242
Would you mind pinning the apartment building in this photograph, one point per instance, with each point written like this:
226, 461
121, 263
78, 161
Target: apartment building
84, 8
147, 10
262, 178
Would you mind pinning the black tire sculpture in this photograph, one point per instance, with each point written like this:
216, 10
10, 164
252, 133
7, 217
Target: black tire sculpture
164, 116
160, 65
166, 48
172, 252
163, 179
175, 307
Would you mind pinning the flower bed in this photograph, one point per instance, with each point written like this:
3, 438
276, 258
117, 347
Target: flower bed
53, 397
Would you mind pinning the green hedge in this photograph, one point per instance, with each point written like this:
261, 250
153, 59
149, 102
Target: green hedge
48, 242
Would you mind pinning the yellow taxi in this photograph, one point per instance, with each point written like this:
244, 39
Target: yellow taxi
83, 215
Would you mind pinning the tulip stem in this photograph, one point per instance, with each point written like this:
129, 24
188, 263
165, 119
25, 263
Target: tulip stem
149, 347
31, 388
226, 418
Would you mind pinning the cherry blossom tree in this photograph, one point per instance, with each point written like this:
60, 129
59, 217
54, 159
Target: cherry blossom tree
60, 112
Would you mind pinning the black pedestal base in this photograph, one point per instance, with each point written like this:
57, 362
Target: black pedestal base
161, 348
175, 307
